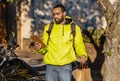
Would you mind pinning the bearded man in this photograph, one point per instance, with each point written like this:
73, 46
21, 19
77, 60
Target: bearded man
59, 52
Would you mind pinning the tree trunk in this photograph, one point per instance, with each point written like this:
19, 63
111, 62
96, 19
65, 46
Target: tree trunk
112, 47
11, 23
2, 23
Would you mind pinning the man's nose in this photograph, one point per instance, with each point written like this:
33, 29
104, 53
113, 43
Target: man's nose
55, 15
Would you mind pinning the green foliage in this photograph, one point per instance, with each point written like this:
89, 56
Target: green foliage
9, 0
93, 35
109, 53
86, 39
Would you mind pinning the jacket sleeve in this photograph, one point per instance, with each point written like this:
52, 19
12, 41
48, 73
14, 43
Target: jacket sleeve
79, 44
44, 39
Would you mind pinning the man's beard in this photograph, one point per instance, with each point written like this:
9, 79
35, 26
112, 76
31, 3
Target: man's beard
58, 21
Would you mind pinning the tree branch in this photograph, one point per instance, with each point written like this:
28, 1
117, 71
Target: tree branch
108, 10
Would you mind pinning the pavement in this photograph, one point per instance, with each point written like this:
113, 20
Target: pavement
32, 58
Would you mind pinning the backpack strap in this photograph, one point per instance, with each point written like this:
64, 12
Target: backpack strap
49, 31
73, 32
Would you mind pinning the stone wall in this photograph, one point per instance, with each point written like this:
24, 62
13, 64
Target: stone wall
91, 51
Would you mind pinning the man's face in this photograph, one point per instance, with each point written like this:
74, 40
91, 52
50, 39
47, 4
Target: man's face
58, 15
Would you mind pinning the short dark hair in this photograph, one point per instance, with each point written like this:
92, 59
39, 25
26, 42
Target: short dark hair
60, 6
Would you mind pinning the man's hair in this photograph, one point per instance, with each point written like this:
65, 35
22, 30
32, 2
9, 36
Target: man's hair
60, 6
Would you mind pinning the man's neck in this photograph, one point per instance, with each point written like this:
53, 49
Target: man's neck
62, 23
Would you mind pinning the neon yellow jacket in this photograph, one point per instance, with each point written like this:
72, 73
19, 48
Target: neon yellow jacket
60, 48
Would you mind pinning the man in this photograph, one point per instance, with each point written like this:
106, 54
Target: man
59, 52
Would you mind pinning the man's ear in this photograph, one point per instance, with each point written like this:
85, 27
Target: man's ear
64, 13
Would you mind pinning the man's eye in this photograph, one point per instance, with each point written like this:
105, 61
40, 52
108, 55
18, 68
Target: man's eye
56, 13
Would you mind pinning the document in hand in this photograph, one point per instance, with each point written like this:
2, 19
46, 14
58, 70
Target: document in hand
37, 39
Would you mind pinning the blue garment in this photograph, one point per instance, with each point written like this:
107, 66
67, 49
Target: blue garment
59, 73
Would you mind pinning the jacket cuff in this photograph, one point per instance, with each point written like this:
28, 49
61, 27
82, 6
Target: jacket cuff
42, 50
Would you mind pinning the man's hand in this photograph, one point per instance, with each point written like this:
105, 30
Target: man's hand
37, 46
83, 59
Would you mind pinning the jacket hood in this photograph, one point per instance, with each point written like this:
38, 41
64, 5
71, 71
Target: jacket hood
68, 20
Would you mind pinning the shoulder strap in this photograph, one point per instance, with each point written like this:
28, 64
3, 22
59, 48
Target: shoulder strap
73, 32
49, 31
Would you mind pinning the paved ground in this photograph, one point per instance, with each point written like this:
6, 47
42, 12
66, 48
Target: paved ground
32, 58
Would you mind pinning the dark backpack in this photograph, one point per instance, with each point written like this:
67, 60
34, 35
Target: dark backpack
73, 32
